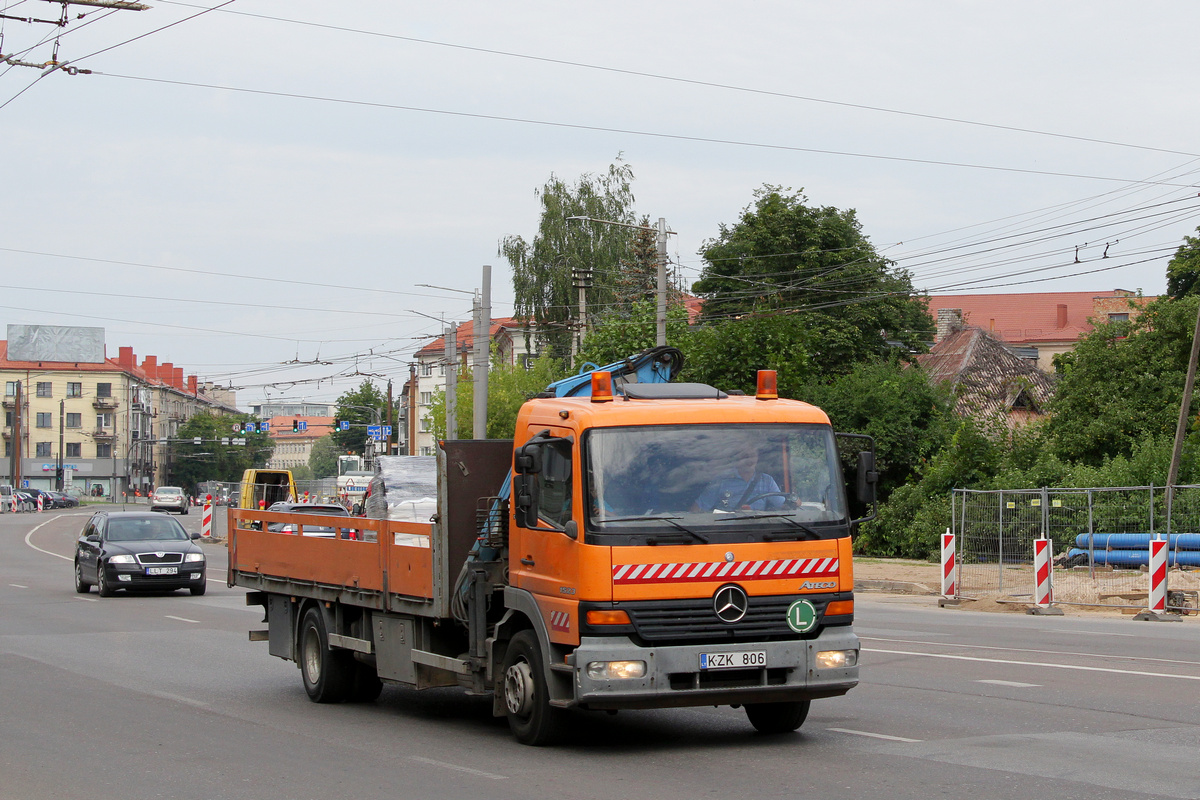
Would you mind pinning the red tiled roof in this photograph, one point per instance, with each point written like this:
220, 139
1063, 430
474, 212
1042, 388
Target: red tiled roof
281, 427
465, 336
1027, 318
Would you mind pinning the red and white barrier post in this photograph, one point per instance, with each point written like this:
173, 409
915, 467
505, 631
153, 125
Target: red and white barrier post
949, 566
40, 506
206, 518
1043, 593
1158, 576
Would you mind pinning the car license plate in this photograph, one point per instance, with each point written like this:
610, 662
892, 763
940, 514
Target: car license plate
739, 660
162, 570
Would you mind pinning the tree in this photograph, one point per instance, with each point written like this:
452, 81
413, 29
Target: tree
786, 257
728, 354
509, 386
1122, 383
1183, 271
543, 283
210, 460
322, 459
358, 407
622, 332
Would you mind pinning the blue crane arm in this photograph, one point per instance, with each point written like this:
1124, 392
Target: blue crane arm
656, 365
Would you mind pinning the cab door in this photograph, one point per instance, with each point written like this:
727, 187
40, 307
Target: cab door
543, 543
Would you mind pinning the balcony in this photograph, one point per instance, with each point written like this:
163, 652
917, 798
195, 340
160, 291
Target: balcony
7, 433
104, 402
104, 433
10, 402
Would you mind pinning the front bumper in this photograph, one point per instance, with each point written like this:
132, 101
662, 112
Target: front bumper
133, 576
674, 678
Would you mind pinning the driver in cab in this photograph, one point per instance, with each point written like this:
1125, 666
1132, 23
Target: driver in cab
741, 487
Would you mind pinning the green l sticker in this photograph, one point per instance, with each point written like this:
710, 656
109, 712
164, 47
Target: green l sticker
801, 616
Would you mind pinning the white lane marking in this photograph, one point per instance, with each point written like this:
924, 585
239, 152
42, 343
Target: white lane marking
1013, 684
1075, 667
89, 599
1057, 631
182, 619
457, 768
873, 735
18, 586
34, 530
1039, 652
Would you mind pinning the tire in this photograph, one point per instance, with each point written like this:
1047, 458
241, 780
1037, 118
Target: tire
102, 586
367, 686
328, 675
81, 586
183, 512
531, 718
776, 718
199, 588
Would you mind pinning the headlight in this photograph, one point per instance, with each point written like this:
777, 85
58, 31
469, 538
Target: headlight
194, 557
837, 659
608, 670
120, 559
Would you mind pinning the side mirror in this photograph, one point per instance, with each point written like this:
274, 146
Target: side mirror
195, 536
524, 501
94, 538
528, 459
868, 478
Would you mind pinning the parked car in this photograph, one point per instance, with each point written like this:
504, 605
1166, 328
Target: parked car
137, 550
169, 498
47, 498
331, 509
62, 500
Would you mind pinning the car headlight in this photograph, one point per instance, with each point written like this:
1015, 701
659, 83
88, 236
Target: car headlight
122, 559
601, 670
837, 659
194, 557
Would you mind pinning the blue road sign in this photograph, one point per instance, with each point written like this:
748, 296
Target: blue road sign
344, 425
303, 425
374, 432
387, 430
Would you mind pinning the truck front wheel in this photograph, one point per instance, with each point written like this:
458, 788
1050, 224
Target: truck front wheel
531, 718
777, 717
328, 674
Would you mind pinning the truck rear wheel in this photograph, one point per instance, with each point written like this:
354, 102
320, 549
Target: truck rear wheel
531, 718
328, 674
777, 717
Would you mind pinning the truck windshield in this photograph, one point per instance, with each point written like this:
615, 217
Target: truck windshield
715, 478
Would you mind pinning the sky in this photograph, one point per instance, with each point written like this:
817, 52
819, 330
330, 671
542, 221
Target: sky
257, 192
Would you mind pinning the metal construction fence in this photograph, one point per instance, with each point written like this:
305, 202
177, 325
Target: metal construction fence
995, 532
323, 490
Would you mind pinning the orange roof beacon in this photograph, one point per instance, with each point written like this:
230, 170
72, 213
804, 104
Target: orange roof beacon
640, 544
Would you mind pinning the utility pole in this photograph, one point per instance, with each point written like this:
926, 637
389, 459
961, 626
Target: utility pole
58, 468
17, 438
390, 421
582, 277
1184, 407
451, 361
482, 350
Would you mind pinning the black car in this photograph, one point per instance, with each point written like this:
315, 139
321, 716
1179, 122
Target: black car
62, 500
137, 550
47, 497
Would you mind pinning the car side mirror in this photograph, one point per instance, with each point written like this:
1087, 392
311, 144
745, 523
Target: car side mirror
94, 538
868, 478
195, 536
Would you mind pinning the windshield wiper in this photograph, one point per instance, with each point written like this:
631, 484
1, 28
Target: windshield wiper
774, 515
669, 520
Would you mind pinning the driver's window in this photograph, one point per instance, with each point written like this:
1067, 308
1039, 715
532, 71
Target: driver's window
554, 486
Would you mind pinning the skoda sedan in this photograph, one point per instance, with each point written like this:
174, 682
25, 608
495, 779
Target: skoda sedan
169, 498
137, 550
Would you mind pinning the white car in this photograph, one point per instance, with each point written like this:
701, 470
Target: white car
169, 498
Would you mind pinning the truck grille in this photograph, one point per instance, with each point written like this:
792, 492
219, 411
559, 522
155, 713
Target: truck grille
693, 620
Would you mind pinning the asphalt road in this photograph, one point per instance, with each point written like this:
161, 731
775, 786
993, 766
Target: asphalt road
164, 697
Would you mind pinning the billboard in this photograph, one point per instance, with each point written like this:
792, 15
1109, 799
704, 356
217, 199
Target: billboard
56, 343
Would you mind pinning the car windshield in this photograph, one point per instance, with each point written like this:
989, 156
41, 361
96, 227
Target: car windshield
169, 490
705, 478
159, 528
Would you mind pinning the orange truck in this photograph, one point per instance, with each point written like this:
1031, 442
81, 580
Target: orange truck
640, 544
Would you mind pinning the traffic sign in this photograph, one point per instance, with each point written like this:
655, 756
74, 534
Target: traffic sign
195, 440
375, 431
263, 427
303, 425
387, 430
344, 425
237, 427
249, 428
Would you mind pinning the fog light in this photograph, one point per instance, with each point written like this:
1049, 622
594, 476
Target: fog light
608, 670
195, 576
125, 578
837, 659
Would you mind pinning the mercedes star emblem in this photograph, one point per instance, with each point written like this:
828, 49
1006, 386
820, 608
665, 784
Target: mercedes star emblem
730, 603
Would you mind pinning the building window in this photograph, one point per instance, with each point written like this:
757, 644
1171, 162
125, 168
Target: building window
74, 450
10, 388
74, 389
104, 451
424, 424
74, 420
1118, 317
8, 449
42, 450
44, 419
45, 389
8, 419
426, 370
103, 420
103, 390
426, 398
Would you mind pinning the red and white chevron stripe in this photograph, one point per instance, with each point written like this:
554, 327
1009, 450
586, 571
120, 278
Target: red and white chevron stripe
627, 574
560, 621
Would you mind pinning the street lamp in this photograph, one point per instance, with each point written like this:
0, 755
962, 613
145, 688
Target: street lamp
660, 316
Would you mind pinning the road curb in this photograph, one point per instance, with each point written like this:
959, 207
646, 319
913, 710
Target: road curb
892, 587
